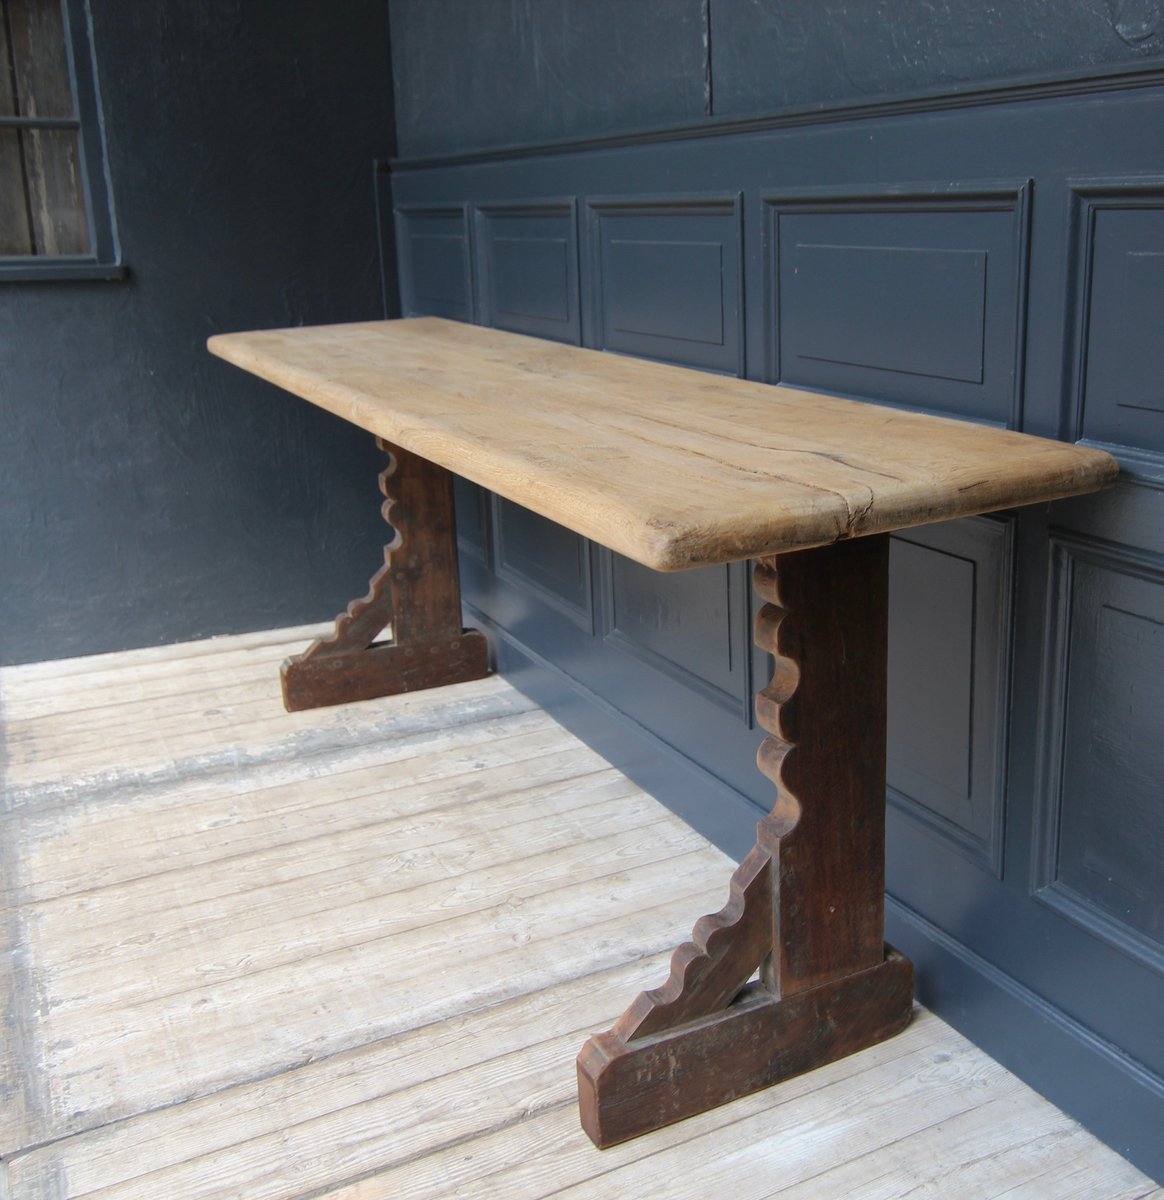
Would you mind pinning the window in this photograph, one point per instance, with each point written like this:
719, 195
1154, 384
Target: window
55, 217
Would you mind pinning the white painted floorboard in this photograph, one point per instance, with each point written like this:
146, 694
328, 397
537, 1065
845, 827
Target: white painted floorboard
353, 953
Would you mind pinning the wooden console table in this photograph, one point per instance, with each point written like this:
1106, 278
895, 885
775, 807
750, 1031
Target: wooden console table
676, 468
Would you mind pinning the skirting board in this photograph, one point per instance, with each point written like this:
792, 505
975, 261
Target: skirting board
1106, 1092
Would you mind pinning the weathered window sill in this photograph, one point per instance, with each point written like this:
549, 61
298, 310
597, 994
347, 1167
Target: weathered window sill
56, 270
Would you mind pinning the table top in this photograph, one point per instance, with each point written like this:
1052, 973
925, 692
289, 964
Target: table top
670, 466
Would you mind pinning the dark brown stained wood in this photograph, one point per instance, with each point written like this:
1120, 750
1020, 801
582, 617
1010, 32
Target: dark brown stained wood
708, 972
825, 621
426, 593
383, 671
417, 592
626, 1090
806, 907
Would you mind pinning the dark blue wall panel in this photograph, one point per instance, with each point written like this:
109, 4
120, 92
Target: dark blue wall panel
527, 257
949, 679
1111, 823
1102, 851
473, 523
910, 309
691, 626
551, 562
667, 280
1122, 264
912, 298
434, 261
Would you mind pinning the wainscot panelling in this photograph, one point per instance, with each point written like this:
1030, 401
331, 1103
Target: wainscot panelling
435, 264
991, 259
949, 656
691, 626
1100, 843
552, 562
667, 279
474, 523
527, 269
915, 296
1120, 258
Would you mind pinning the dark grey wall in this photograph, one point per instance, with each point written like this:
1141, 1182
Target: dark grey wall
514, 71
147, 491
475, 76
769, 55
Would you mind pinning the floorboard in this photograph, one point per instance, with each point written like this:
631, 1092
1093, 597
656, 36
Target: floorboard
352, 953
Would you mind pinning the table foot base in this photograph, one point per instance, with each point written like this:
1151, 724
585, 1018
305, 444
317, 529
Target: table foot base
383, 670
626, 1089
416, 593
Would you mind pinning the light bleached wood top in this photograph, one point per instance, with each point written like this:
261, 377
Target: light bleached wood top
669, 466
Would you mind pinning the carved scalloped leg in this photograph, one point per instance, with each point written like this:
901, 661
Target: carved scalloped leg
417, 592
806, 907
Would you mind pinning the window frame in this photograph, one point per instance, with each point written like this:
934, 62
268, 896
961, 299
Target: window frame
104, 262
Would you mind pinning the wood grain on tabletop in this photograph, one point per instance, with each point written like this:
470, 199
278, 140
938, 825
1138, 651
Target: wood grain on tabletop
672, 467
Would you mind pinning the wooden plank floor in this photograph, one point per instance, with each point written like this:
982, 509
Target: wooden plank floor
353, 953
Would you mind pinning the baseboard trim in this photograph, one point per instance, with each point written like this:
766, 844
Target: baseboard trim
1092, 1081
